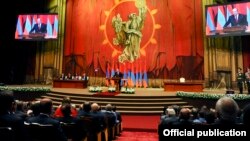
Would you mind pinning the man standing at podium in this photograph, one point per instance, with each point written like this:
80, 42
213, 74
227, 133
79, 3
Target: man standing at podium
39, 27
118, 75
236, 19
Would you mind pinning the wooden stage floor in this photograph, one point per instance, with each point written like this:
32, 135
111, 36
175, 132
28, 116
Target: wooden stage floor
138, 91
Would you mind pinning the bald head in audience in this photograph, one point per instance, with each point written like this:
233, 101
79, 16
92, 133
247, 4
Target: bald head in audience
94, 107
185, 113
227, 109
170, 112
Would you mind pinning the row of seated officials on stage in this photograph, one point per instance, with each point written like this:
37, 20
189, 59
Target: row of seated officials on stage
225, 116
37, 121
69, 76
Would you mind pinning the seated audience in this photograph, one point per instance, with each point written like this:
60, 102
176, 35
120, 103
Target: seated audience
163, 115
34, 109
8, 118
44, 118
171, 117
58, 111
85, 110
66, 114
118, 115
84, 77
98, 116
210, 116
62, 77
246, 116
110, 115
226, 109
20, 110
184, 118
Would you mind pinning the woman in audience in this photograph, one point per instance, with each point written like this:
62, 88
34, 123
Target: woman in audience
58, 111
66, 112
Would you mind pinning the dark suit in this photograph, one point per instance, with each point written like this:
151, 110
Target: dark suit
17, 125
85, 78
240, 81
242, 20
47, 120
118, 75
41, 29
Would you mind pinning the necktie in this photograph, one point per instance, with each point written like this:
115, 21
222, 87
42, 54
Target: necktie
236, 18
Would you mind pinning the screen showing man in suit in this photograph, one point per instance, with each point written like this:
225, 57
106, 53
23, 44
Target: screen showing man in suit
39, 27
236, 19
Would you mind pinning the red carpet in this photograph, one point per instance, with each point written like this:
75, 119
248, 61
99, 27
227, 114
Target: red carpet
140, 122
138, 136
106, 94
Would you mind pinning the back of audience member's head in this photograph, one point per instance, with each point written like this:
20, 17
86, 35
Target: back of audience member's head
81, 107
99, 108
194, 112
184, 114
170, 112
19, 105
226, 109
46, 106
6, 101
164, 110
114, 108
66, 100
204, 108
246, 116
108, 107
35, 108
202, 113
94, 107
177, 109
210, 116
66, 110
87, 107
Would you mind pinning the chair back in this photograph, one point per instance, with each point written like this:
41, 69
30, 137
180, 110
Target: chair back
91, 127
41, 132
6, 134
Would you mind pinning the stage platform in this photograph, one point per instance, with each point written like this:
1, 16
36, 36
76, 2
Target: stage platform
138, 91
143, 101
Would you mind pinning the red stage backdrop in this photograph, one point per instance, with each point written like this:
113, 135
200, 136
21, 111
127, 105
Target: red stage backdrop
171, 45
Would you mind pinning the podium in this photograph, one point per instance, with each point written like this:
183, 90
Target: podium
117, 81
33, 36
232, 30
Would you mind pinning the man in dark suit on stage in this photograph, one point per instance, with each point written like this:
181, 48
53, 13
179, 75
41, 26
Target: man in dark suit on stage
236, 19
39, 27
118, 75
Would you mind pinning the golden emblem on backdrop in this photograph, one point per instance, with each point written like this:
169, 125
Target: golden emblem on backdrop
128, 34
